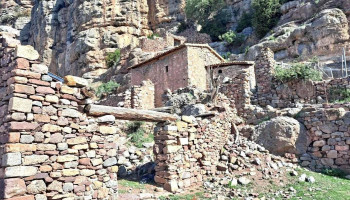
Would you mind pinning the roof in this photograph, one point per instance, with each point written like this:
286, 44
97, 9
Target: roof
225, 64
176, 49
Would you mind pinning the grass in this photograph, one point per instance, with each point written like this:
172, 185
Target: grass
325, 187
107, 88
137, 134
195, 196
130, 184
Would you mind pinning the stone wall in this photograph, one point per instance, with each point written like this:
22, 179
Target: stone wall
329, 130
49, 148
286, 95
188, 150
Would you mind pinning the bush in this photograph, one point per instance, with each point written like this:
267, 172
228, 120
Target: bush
339, 95
334, 172
210, 14
107, 88
137, 134
266, 15
298, 71
244, 22
113, 58
232, 37
153, 36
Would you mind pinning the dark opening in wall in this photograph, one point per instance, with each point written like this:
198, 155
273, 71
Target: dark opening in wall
220, 71
177, 42
166, 69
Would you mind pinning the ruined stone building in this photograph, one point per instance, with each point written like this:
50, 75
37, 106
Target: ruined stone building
179, 67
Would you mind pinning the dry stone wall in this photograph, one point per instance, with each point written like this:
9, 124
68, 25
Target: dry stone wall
329, 130
188, 150
49, 148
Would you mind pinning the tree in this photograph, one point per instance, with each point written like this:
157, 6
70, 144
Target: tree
266, 15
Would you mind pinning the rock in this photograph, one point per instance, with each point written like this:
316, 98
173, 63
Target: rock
110, 162
193, 110
233, 182
68, 187
75, 81
107, 130
50, 128
71, 113
11, 159
21, 105
36, 187
171, 186
26, 139
302, 178
282, 135
55, 186
40, 68
310, 179
106, 118
243, 180
35, 159
14, 187
40, 197
27, 52
9, 29
20, 171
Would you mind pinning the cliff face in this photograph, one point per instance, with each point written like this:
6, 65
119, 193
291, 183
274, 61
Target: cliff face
73, 37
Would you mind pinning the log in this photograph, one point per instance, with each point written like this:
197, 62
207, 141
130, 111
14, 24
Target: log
129, 114
167, 109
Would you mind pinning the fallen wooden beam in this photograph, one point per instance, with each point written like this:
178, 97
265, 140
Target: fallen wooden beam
168, 109
129, 114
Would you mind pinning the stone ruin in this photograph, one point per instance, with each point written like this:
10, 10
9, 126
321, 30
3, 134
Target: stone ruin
55, 144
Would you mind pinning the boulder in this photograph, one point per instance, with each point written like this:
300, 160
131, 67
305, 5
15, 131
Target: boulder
194, 109
282, 135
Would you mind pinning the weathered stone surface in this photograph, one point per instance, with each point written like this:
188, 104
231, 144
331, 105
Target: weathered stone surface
51, 128
71, 113
36, 187
77, 140
40, 68
20, 171
45, 90
26, 139
35, 159
20, 147
108, 130
66, 158
41, 118
75, 81
282, 135
24, 89
56, 138
27, 52
18, 126
110, 162
21, 105
51, 98
14, 187
55, 186
11, 159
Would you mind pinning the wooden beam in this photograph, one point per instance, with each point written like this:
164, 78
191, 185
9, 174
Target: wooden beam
129, 114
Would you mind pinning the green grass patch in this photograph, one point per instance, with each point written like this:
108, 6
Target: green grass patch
138, 134
131, 184
326, 187
198, 196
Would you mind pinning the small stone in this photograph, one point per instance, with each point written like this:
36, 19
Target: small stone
56, 138
71, 113
36, 187
110, 162
310, 179
35, 159
27, 52
106, 118
21, 105
243, 180
302, 178
62, 146
233, 182
51, 98
51, 128
40, 68
75, 81
14, 187
67, 187
46, 78
55, 186
40, 197
107, 130
20, 171
11, 159
27, 139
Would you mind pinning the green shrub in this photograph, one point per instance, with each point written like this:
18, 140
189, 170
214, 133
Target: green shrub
113, 58
232, 38
226, 55
339, 95
137, 134
153, 36
298, 71
334, 172
244, 22
266, 15
210, 14
107, 88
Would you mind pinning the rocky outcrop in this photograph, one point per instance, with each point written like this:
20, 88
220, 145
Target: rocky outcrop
322, 35
282, 135
74, 37
16, 14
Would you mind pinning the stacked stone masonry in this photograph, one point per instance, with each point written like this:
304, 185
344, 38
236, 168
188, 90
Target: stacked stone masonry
188, 151
49, 149
328, 128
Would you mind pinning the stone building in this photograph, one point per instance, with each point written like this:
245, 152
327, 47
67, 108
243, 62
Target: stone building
177, 68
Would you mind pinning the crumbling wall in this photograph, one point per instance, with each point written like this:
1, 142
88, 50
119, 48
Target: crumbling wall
329, 128
49, 148
286, 95
189, 150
